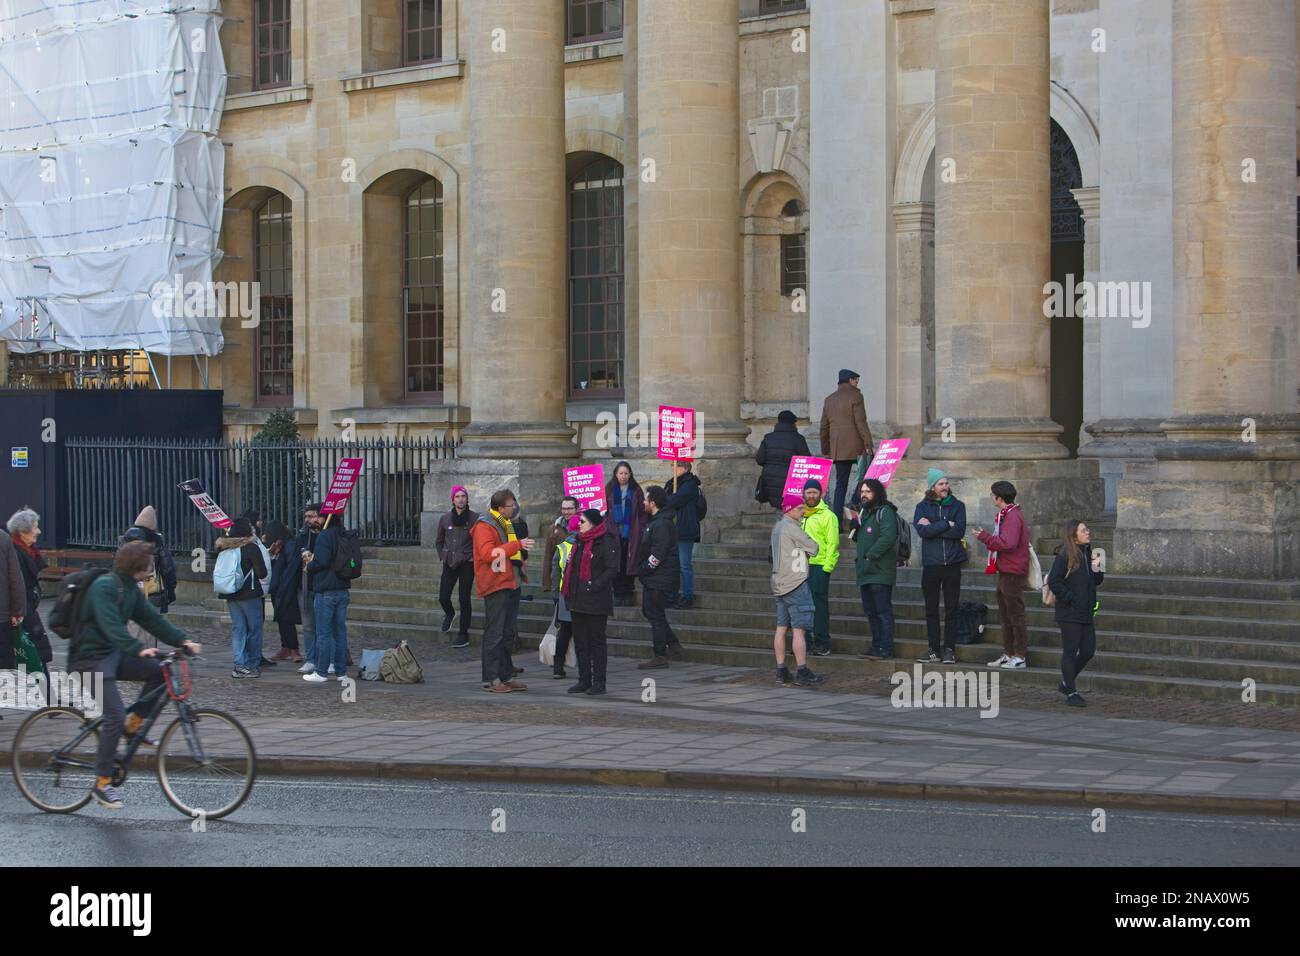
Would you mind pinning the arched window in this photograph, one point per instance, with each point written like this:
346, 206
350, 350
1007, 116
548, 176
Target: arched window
422, 292
273, 266
596, 280
794, 252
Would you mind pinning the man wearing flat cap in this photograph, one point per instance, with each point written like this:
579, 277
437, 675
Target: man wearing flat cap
844, 433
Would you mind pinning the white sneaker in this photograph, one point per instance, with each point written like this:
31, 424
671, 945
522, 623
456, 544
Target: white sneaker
1014, 662
308, 668
331, 670
314, 679
998, 662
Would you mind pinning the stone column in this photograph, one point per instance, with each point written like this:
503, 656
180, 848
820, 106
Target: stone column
1234, 435
688, 233
1089, 200
992, 230
516, 293
631, 210
914, 361
1234, 216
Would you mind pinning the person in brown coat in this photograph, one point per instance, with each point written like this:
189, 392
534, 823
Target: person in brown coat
13, 599
845, 434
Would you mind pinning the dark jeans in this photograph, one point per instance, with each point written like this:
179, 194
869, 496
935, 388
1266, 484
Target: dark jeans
115, 667
331, 610
654, 604
624, 584
563, 634
1078, 645
1011, 614
934, 578
463, 577
589, 642
512, 619
843, 475
819, 583
288, 635
497, 663
878, 603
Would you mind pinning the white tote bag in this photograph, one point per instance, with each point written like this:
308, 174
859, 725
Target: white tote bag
546, 649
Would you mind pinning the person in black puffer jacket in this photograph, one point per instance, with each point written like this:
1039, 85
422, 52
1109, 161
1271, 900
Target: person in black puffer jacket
286, 582
146, 529
940, 521
1075, 576
659, 573
589, 593
774, 453
456, 549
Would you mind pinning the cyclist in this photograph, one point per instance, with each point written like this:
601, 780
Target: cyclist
101, 642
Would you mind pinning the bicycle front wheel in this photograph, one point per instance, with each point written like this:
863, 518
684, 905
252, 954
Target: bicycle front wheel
54, 759
206, 765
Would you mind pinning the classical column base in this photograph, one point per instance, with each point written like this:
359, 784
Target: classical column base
1049, 492
1231, 438
1114, 441
1221, 518
506, 440
1002, 439
537, 482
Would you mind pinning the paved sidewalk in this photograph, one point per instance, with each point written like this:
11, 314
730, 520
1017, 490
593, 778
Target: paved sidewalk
708, 726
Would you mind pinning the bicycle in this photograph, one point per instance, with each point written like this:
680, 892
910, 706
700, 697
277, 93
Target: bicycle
194, 775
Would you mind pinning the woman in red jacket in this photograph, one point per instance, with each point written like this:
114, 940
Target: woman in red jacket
1009, 559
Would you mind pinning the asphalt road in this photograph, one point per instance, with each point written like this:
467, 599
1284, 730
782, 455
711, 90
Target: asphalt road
322, 821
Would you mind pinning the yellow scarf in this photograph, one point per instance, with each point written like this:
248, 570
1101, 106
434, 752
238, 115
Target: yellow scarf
510, 533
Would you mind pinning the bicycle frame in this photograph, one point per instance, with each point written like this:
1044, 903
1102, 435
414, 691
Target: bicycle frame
156, 701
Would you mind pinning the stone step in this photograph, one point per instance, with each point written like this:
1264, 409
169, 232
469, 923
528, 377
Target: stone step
630, 639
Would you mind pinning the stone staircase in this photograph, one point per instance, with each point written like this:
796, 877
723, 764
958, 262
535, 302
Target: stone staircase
1190, 638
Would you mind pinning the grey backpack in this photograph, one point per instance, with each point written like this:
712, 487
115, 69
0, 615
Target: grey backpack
400, 666
371, 664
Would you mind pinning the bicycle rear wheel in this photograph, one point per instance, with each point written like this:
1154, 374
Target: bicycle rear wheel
54, 774
206, 767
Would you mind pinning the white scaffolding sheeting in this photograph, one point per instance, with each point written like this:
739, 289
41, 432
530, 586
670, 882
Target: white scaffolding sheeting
111, 173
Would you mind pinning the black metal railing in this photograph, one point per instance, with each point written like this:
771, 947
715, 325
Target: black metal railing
111, 479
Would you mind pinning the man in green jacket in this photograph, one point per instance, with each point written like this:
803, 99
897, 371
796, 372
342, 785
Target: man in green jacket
877, 565
822, 525
101, 642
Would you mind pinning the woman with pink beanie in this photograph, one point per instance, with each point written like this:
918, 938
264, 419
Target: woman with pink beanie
456, 550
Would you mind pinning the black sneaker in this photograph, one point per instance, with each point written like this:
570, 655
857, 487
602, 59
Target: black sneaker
596, 690
265, 663
461, 640
806, 678
108, 796
950, 656
241, 672
558, 674
652, 663
821, 652
685, 604
783, 676
579, 688
1063, 689
1074, 700
446, 622
929, 657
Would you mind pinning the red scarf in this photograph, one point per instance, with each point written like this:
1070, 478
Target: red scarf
587, 541
992, 566
32, 551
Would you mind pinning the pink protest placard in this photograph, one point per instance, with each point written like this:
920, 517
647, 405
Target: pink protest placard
341, 485
587, 484
801, 469
203, 501
676, 433
888, 456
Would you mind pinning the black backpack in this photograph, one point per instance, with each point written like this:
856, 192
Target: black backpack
970, 622
347, 557
904, 538
65, 616
701, 505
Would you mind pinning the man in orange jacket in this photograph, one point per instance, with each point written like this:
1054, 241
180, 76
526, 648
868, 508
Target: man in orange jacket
495, 577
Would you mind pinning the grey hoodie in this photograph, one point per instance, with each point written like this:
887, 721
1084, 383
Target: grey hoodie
791, 548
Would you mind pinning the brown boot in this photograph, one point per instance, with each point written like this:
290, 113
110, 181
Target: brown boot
653, 663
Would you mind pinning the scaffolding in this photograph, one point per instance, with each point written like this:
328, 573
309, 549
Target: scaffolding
111, 184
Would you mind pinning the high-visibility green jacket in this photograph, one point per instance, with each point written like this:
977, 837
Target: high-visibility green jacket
824, 528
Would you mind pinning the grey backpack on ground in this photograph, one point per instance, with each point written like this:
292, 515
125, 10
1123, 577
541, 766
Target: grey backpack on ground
372, 661
400, 666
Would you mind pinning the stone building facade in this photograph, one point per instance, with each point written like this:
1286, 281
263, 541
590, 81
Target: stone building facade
499, 219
